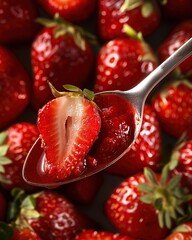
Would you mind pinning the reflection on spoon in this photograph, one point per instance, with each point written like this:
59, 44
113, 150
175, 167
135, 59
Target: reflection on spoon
129, 103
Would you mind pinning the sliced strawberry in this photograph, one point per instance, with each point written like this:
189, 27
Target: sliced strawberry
68, 125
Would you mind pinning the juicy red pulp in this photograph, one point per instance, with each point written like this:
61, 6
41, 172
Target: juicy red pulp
118, 123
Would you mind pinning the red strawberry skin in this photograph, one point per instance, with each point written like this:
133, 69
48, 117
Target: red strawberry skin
21, 137
18, 21
180, 9
59, 61
24, 234
75, 11
183, 154
14, 88
59, 218
182, 232
95, 235
131, 216
65, 152
111, 19
145, 152
176, 38
122, 63
173, 106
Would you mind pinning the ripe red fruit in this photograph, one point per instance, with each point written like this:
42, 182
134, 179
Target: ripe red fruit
142, 16
98, 235
61, 56
15, 143
73, 11
68, 127
176, 38
17, 20
122, 63
182, 232
182, 155
173, 106
24, 234
51, 215
180, 9
14, 88
145, 152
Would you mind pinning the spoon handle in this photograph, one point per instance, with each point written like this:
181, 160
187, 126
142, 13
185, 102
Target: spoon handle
145, 87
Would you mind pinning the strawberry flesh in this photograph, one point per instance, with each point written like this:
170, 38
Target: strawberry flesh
68, 127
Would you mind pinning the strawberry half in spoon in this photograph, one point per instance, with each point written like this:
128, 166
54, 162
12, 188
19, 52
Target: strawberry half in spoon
68, 127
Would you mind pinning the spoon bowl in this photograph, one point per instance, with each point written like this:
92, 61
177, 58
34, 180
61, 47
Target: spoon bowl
33, 171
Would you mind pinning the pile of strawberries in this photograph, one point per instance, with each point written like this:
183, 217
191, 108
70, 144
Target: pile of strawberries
100, 45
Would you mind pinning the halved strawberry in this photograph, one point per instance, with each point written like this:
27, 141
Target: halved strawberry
68, 125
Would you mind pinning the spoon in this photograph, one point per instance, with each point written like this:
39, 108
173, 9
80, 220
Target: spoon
33, 171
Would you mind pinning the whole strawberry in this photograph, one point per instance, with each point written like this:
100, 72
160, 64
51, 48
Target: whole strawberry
145, 152
143, 16
123, 62
145, 204
100, 235
68, 126
61, 56
176, 38
15, 88
73, 11
24, 234
50, 215
17, 21
173, 106
182, 155
15, 143
183, 232
180, 9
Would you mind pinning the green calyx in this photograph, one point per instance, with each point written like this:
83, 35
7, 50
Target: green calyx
4, 160
73, 91
146, 6
165, 195
62, 27
132, 33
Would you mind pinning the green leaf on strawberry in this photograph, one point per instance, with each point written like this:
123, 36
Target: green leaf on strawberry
6, 231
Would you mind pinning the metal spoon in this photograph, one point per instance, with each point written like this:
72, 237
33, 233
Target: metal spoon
33, 172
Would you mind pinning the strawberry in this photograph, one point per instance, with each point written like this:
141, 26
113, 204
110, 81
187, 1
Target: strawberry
24, 234
182, 232
182, 155
173, 106
180, 9
68, 127
50, 215
95, 235
123, 62
14, 88
60, 55
75, 11
145, 152
15, 143
85, 190
141, 15
146, 203
17, 18
175, 39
